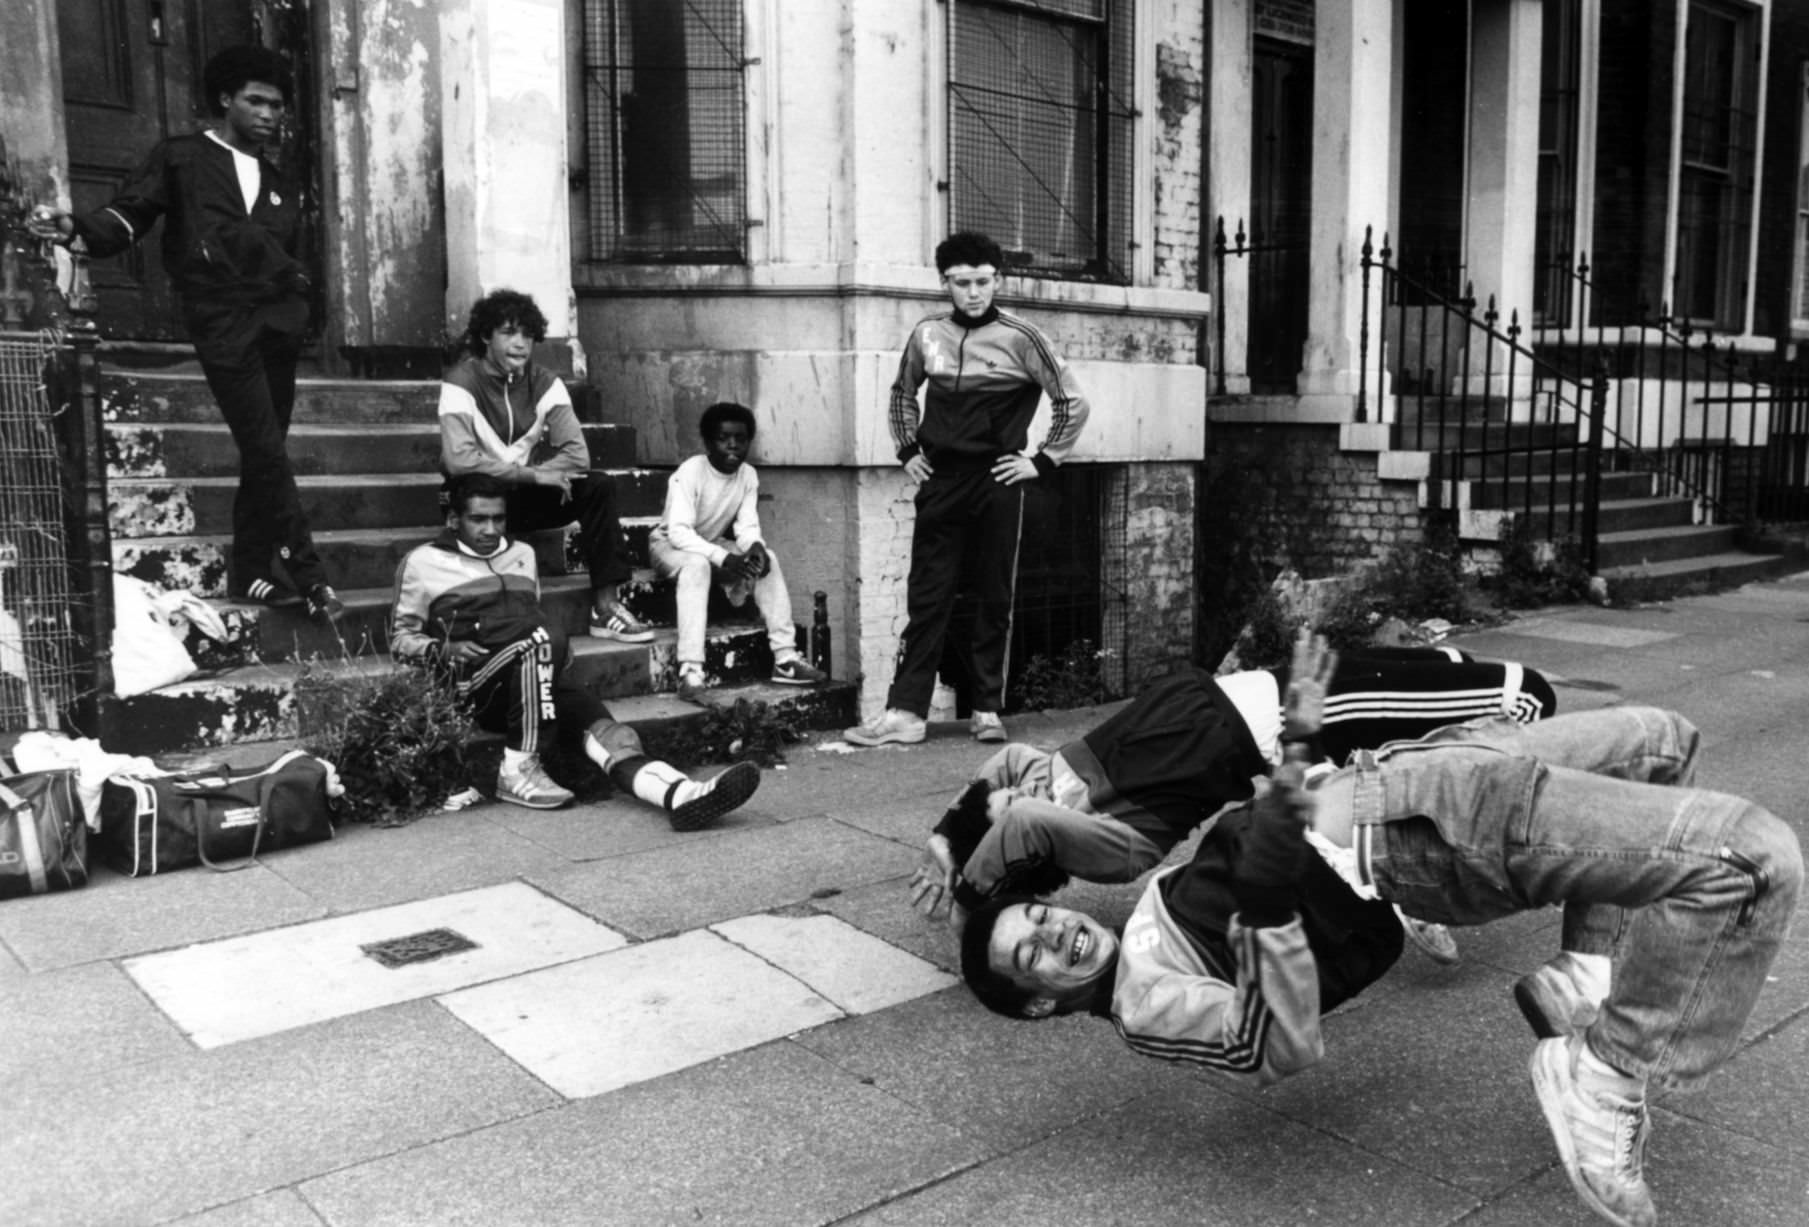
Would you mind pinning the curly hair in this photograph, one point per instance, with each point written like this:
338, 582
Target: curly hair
462, 489
724, 411
498, 309
236, 67
969, 247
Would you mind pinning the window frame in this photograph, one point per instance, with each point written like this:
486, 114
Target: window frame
606, 80
1739, 180
1116, 255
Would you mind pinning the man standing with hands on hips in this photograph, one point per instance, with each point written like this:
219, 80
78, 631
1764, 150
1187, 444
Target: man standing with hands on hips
987, 371
232, 228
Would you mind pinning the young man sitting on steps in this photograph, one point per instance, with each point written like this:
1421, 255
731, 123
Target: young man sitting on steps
469, 602
504, 415
710, 530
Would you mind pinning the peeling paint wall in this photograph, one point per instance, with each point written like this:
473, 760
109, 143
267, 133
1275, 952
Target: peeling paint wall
386, 239
30, 74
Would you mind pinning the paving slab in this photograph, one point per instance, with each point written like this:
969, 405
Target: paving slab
240, 988
1762, 1092
615, 827
855, 972
884, 910
617, 1019
1434, 1080
113, 917
748, 871
186, 1134
1709, 1175
370, 867
775, 1137
1010, 1082
1612, 634
90, 1019
1190, 1157
283, 1208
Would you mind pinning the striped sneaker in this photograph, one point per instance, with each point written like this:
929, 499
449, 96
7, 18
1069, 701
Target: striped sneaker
620, 625
269, 593
695, 804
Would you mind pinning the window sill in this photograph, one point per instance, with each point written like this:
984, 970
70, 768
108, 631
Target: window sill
872, 281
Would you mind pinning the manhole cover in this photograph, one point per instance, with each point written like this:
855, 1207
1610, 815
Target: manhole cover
421, 947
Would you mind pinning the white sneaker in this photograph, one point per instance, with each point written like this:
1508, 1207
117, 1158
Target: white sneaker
1601, 1135
531, 786
986, 726
1558, 998
890, 725
1434, 940
695, 804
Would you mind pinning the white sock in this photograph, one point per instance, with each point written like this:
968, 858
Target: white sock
1592, 974
655, 782
513, 759
1592, 1068
593, 750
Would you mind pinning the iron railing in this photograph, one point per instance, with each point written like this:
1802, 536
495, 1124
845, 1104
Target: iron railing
1509, 430
1240, 246
1534, 429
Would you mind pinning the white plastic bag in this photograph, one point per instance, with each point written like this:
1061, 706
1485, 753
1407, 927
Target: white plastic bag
147, 639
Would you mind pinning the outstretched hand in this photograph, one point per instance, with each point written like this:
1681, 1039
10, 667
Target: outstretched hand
1309, 677
934, 882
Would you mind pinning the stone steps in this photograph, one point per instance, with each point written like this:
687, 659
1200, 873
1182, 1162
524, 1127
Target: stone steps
256, 702
367, 456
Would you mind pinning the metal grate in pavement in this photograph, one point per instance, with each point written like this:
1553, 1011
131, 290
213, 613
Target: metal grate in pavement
422, 947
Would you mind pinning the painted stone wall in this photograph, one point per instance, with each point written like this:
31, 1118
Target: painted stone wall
1150, 508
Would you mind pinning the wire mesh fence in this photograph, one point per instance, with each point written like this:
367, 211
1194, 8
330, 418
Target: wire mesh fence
39, 649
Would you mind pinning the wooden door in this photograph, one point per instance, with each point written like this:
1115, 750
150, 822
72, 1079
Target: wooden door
1281, 206
132, 76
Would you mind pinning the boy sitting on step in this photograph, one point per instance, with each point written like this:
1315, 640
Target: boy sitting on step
469, 602
710, 529
502, 414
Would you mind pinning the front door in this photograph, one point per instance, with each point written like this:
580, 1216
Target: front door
1281, 207
132, 76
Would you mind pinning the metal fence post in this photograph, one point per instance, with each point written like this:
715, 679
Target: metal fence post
1592, 459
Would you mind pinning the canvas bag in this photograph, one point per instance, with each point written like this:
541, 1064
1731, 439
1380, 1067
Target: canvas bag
43, 837
154, 824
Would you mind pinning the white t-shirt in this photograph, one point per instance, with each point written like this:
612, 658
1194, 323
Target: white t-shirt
247, 166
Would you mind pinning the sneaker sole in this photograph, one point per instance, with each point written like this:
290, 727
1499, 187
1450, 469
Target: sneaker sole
733, 788
531, 803
597, 632
1445, 954
991, 735
1549, 1092
868, 739
794, 681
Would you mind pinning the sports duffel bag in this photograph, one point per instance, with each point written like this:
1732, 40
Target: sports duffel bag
153, 824
43, 837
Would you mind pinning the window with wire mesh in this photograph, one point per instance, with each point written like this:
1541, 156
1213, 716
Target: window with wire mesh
1040, 132
1714, 191
664, 114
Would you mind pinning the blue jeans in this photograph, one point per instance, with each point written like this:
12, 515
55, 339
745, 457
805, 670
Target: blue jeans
1691, 891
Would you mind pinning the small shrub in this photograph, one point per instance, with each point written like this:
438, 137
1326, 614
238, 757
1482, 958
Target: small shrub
1267, 640
398, 737
1531, 574
1073, 679
748, 730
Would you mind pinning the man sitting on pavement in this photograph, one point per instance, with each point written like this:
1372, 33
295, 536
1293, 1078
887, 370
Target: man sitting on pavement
1110, 805
1225, 963
469, 601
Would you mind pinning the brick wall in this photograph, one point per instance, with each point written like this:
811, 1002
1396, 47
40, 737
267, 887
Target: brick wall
1316, 508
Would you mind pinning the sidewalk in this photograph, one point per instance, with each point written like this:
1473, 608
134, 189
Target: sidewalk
750, 1025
